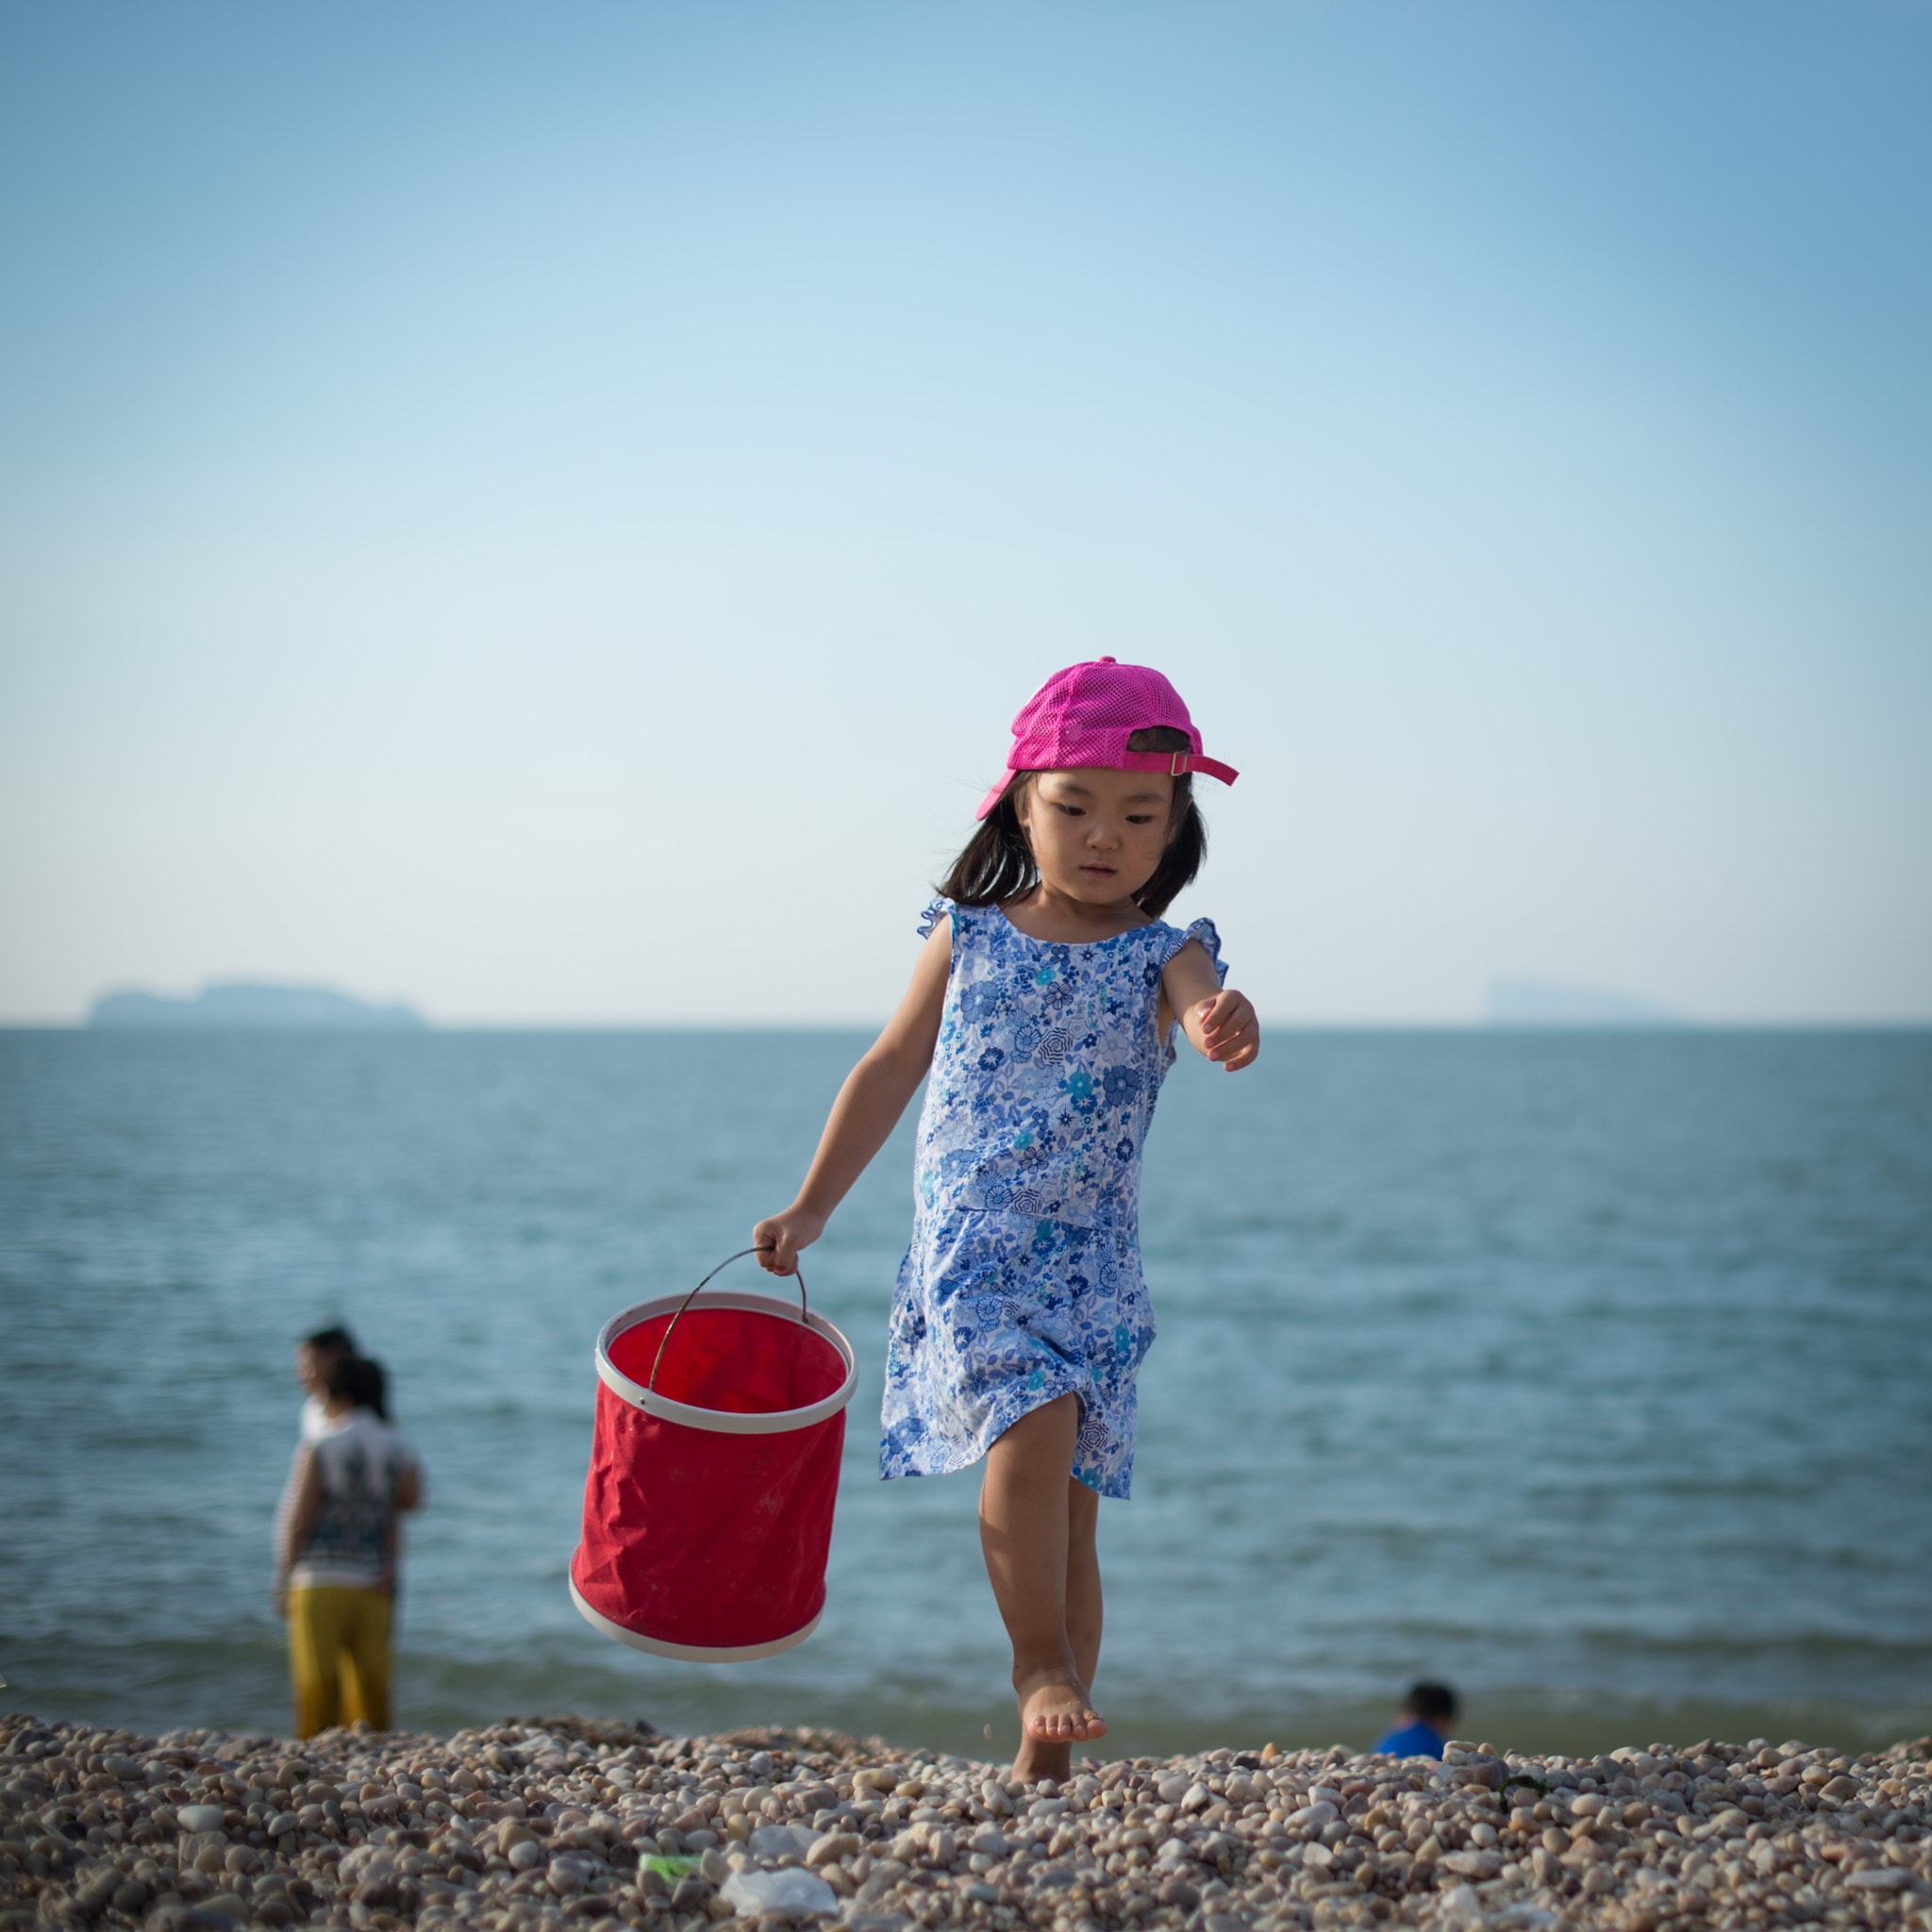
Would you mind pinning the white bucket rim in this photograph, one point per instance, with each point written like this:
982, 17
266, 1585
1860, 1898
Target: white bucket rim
689, 1653
725, 1421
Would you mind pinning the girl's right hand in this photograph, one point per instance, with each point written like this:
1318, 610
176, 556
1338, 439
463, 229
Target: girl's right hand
779, 1239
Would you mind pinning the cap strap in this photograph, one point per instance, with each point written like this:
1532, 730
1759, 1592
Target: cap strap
1176, 764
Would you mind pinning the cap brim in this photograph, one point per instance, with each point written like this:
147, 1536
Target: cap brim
1178, 764
993, 798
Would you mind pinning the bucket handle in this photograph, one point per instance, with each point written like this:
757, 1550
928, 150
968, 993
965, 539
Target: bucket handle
657, 1361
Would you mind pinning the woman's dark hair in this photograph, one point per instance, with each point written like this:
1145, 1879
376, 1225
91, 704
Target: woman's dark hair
997, 864
360, 1380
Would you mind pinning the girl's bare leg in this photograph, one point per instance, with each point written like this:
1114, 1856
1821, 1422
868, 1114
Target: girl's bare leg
1035, 1526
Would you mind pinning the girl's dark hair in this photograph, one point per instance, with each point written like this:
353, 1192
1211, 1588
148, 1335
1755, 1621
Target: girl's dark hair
997, 864
360, 1380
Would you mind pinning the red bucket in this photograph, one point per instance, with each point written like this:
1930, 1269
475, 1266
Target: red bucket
707, 1513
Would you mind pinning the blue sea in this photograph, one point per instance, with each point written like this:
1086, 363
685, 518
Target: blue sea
1591, 1373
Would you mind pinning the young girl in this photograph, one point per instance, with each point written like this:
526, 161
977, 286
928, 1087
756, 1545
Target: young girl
336, 1568
1044, 1005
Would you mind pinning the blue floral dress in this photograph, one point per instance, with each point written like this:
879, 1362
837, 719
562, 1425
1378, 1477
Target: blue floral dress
1023, 1282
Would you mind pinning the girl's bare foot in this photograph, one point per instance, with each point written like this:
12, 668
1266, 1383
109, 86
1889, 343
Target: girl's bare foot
1055, 1715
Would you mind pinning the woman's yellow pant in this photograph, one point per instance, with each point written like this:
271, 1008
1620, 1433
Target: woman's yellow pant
338, 1656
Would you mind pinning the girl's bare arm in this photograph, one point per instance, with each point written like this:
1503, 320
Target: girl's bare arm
300, 1525
1221, 1024
867, 1110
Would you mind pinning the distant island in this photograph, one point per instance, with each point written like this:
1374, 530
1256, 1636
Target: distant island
1531, 1003
242, 1006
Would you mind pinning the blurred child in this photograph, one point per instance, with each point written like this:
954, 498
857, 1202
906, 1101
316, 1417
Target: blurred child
336, 1567
1430, 1709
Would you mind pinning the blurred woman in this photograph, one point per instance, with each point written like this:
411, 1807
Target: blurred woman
336, 1568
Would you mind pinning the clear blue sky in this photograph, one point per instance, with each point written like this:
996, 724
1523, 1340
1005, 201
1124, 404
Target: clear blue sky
548, 511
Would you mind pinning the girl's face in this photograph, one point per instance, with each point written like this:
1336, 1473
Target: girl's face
1097, 834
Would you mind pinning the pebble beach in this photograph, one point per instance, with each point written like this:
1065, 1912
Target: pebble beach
562, 1822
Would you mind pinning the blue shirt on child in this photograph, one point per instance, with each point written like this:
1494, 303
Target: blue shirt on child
1413, 1740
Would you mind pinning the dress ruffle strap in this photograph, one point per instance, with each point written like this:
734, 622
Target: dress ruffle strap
938, 909
1202, 929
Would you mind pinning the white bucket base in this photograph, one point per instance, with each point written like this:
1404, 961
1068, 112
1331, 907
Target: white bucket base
689, 1653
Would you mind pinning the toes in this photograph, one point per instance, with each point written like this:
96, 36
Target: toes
1057, 1727
1050, 1726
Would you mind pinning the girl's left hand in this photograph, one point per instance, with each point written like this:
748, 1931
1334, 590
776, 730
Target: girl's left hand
1226, 1028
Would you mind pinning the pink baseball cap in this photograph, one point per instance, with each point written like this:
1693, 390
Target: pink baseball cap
1085, 714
